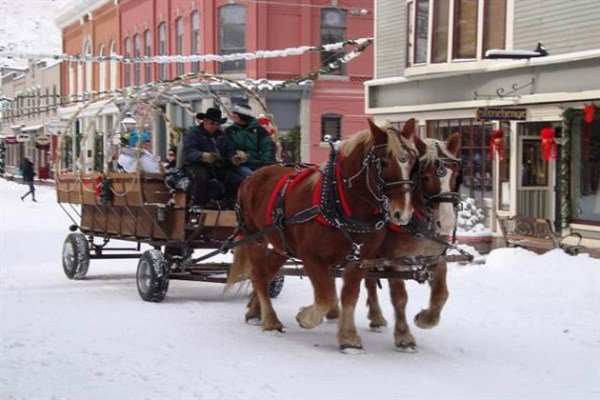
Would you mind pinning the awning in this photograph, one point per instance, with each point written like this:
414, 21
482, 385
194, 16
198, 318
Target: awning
31, 128
10, 140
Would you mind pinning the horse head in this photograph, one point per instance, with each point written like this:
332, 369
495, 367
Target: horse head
440, 179
387, 159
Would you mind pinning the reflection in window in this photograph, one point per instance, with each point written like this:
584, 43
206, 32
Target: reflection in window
148, 52
465, 28
475, 144
534, 170
232, 36
421, 31
195, 39
333, 30
127, 66
162, 50
331, 124
494, 24
179, 43
440, 31
585, 150
137, 52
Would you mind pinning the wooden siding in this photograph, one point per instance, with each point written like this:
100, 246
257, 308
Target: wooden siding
562, 26
391, 38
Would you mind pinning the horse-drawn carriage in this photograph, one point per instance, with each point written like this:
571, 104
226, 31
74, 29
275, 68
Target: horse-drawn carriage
375, 210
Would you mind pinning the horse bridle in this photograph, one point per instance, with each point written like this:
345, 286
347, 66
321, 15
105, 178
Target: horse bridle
441, 171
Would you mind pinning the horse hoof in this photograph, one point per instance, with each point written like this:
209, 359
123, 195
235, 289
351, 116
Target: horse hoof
424, 322
253, 321
407, 348
351, 350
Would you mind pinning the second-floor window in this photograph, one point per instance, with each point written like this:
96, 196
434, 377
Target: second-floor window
455, 32
137, 52
195, 32
179, 43
162, 50
127, 66
333, 30
331, 125
232, 36
148, 52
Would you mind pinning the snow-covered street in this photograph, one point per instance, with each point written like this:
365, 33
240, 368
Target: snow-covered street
520, 326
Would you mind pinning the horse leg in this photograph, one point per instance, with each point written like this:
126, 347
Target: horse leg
264, 269
348, 337
334, 312
430, 317
253, 313
375, 315
324, 292
403, 339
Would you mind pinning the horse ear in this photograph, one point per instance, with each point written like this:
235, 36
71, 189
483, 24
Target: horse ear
421, 146
454, 142
379, 136
408, 129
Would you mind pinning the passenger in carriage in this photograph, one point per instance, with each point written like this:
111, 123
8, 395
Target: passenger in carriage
211, 161
139, 151
253, 144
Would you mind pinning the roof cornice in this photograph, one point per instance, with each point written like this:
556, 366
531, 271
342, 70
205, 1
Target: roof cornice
77, 9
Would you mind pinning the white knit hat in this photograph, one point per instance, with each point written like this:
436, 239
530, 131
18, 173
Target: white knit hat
242, 109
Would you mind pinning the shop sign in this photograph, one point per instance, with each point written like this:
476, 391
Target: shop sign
56, 126
42, 140
23, 137
501, 114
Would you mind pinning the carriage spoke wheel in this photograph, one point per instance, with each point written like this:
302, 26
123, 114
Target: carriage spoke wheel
75, 256
152, 276
276, 286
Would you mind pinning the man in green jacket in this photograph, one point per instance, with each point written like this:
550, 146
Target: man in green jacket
254, 145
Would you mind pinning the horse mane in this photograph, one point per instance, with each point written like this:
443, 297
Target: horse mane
365, 138
432, 151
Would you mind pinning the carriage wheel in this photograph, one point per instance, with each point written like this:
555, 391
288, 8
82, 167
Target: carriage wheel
76, 256
152, 276
276, 286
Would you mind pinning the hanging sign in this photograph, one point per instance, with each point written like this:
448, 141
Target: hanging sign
502, 114
23, 137
42, 140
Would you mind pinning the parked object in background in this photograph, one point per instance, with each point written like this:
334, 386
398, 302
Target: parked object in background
535, 233
471, 223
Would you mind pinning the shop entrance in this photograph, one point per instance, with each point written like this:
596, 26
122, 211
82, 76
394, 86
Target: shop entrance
536, 177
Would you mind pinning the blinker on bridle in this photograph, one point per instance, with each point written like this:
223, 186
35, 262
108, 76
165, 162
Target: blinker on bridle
441, 171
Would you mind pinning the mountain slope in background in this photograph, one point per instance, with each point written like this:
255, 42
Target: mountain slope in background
27, 26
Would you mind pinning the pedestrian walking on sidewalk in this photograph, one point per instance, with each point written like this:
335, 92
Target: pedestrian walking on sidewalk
28, 174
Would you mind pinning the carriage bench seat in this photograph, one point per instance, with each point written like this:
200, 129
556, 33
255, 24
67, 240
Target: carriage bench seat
535, 233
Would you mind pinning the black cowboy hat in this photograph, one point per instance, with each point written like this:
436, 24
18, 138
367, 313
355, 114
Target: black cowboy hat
214, 114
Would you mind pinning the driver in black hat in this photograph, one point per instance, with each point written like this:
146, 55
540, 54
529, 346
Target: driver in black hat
210, 159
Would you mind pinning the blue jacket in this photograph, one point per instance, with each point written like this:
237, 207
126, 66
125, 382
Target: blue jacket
198, 141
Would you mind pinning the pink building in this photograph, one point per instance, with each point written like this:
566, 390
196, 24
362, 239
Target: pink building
333, 105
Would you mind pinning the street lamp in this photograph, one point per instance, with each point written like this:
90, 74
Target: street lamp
128, 123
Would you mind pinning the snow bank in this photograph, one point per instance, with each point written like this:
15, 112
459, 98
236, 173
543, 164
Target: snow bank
521, 326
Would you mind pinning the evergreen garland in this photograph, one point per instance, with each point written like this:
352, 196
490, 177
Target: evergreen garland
564, 170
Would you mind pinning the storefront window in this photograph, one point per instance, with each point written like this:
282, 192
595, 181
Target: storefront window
534, 170
477, 167
585, 171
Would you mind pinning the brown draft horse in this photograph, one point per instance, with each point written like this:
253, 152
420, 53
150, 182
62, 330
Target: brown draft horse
437, 191
375, 168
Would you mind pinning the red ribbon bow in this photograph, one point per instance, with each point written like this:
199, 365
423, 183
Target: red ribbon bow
589, 113
548, 144
497, 145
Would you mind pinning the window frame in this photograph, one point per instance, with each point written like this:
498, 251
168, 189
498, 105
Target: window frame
332, 117
179, 44
326, 56
239, 66
195, 38
127, 66
137, 52
481, 23
163, 49
148, 53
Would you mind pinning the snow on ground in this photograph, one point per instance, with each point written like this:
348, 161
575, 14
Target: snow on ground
522, 325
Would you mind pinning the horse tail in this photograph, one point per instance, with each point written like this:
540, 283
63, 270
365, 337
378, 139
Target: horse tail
241, 266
